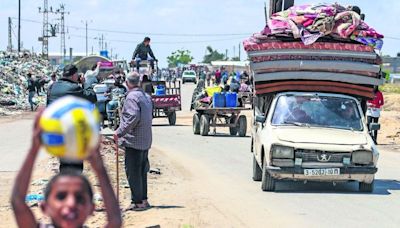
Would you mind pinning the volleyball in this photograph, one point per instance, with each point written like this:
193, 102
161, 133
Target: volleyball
70, 128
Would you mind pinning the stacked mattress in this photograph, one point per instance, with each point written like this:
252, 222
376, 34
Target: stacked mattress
283, 64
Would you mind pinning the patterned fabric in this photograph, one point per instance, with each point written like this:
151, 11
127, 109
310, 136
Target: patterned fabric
136, 121
376, 61
251, 45
310, 22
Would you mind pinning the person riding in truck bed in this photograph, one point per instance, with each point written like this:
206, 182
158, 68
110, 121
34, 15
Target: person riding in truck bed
141, 53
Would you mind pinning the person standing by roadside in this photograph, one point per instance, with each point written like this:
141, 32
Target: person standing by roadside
374, 111
31, 91
69, 85
135, 134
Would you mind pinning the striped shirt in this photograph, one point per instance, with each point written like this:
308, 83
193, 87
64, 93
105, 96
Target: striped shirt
136, 121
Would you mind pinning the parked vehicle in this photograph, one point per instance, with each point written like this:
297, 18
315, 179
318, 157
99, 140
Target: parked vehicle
189, 76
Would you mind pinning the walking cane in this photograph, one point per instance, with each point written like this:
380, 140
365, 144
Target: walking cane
117, 166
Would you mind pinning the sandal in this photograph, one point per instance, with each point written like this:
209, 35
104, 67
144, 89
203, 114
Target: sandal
138, 207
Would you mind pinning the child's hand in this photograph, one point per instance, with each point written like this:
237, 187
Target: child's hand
36, 141
95, 159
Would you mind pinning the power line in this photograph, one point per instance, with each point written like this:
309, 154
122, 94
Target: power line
175, 42
151, 34
170, 34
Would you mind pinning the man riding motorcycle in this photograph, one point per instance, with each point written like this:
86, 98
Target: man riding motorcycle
114, 95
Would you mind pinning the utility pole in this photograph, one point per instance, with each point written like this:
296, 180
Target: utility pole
19, 25
9, 47
62, 12
87, 39
240, 52
45, 30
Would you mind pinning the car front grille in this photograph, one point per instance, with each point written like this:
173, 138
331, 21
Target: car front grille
321, 156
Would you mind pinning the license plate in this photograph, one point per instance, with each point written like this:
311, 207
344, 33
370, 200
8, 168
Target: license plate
322, 172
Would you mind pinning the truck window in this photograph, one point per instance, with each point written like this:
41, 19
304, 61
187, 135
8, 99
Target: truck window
329, 112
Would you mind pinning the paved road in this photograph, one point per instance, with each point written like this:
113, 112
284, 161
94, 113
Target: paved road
227, 164
222, 167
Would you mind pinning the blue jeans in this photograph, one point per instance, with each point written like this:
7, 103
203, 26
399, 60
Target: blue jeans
138, 60
110, 108
30, 99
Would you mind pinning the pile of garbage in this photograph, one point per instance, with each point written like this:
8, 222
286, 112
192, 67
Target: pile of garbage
14, 68
311, 22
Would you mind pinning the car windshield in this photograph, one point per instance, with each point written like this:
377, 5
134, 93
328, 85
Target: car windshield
319, 111
190, 73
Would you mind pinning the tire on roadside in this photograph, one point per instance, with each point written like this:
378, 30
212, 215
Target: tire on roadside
267, 181
242, 125
196, 123
204, 125
257, 171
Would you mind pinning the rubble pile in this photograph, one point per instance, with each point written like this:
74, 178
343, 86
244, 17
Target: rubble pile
14, 68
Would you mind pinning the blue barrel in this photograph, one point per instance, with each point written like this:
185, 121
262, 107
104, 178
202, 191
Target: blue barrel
231, 100
160, 90
219, 100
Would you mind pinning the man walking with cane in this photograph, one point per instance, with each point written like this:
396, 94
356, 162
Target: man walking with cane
135, 134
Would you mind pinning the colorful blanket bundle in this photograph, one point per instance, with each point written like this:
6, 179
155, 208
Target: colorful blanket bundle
310, 22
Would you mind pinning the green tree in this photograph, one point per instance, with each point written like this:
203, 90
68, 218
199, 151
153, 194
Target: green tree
179, 57
213, 55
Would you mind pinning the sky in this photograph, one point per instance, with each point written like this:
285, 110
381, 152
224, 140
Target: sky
171, 24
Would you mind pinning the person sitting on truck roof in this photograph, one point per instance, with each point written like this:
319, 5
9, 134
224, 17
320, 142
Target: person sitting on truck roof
141, 53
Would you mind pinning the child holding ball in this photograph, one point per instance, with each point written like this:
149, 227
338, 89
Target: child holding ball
68, 196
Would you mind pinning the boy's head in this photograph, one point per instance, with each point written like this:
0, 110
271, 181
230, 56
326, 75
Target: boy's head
68, 200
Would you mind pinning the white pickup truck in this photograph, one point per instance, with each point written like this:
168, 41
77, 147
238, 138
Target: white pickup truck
306, 136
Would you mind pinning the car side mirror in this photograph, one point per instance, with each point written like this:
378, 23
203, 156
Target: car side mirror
260, 119
374, 127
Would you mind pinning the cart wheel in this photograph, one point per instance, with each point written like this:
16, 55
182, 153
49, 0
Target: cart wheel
233, 130
204, 125
242, 125
196, 124
172, 118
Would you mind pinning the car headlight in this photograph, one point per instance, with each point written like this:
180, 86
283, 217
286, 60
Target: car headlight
361, 157
282, 152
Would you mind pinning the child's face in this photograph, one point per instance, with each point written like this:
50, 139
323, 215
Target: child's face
68, 204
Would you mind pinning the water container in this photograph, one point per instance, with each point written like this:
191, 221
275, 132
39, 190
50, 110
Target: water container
231, 100
219, 100
160, 90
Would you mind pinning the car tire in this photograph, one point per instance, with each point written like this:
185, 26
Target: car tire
365, 187
195, 81
204, 125
196, 124
267, 181
172, 118
183, 81
233, 130
242, 126
257, 171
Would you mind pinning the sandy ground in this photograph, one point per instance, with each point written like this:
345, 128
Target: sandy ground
177, 195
